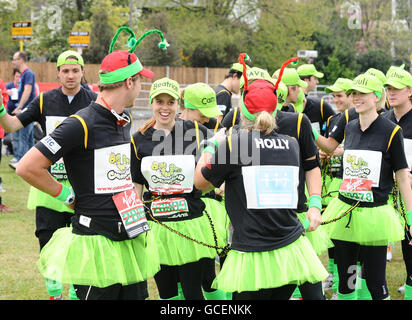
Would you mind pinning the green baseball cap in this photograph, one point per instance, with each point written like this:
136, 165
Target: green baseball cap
309, 70
392, 68
238, 67
165, 85
366, 84
254, 74
341, 84
291, 77
62, 59
377, 73
282, 93
202, 97
398, 78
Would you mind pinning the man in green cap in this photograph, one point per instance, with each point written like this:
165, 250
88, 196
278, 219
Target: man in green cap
317, 110
229, 86
49, 109
399, 88
309, 74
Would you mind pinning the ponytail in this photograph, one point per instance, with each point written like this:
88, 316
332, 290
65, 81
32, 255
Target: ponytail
149, 123
265, 122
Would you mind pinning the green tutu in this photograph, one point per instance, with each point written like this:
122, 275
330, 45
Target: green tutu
176, 250
331, 191
97, 260
296, 263
319, 238
372, 226
217, 211
38, 198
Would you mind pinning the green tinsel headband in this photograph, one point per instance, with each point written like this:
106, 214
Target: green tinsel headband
123, 73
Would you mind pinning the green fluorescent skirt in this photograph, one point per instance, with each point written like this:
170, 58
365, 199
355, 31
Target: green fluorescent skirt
97, 260
295, 263
372, 226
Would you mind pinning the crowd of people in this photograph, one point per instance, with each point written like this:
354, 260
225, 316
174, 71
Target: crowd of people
264, 187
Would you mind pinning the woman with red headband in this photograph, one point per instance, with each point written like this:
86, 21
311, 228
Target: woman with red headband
260, 169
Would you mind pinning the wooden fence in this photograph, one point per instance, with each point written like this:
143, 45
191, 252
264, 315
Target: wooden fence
46, 72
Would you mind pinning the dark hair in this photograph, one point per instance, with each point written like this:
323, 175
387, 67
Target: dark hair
15, 71
22, 55
305, 77
233, 72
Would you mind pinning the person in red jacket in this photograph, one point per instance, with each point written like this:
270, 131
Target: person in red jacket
5, 99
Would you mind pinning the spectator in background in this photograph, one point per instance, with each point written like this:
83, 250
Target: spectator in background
23, 139
4, 99
12, 91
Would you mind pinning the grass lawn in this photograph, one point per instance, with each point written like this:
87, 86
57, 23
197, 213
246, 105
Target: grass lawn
19, 248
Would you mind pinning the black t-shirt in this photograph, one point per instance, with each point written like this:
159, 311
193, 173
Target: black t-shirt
337, 130
256, 228
184, 140
55, 104
406, 124
223, 99
318, 111
213, 124
363, 151
96, 152
231, 118
295, 125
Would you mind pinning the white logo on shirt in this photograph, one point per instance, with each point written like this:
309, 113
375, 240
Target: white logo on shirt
50, 144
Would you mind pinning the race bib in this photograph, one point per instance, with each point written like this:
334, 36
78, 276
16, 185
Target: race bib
169, 174
361, 172
112, 169
58, 169
271, 187
171, 208
132, 213
407, 143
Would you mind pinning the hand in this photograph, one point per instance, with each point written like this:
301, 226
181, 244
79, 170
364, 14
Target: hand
314, 216
221, 190
323, 154
338, 151
16, 111
220, 135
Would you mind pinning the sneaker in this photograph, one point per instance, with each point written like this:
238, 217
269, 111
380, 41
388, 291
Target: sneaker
3, 208
1, 188
13, 165
401, 289
60, 297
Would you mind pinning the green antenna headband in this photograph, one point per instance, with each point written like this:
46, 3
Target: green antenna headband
133, 68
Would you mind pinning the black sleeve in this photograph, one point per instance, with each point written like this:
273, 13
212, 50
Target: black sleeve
224, 99
227, 121
220, 168
66, 137
31, 113
337, 132
307, 144
397, 152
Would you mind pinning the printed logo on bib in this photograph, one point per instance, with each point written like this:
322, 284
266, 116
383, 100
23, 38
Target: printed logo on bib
58, 169
131, 210
271, 187
361, 172
169, 174
112, 169
170, 208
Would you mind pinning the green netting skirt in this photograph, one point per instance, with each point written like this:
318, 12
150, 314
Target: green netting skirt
97, 260
176, 249
332, 189
38, 198
319, 238
372, 226
217, 210
295, 263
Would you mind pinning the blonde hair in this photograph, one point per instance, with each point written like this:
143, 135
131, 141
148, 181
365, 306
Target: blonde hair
265, 122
